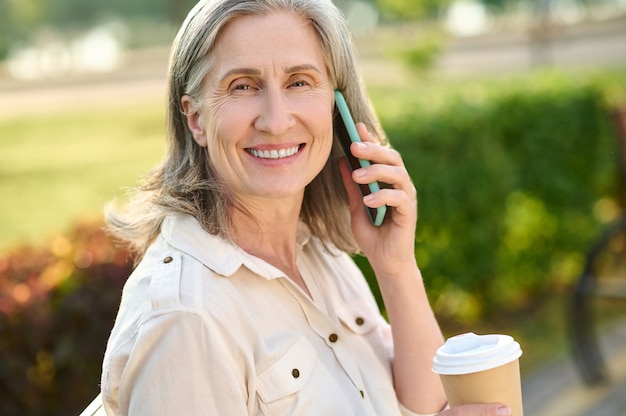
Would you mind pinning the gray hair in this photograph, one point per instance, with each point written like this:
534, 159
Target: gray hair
185, 181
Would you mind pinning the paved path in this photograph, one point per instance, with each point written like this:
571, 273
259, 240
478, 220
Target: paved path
141, 79
557, 390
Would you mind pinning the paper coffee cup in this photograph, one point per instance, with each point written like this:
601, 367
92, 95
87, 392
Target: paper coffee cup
481, 369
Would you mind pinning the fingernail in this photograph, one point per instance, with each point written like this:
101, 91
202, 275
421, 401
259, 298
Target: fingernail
359, 173
369, 198
503, 411
361, 145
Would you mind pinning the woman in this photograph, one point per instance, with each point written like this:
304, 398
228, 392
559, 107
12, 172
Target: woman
245, 301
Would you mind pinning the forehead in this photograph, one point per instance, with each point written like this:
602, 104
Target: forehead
279, 38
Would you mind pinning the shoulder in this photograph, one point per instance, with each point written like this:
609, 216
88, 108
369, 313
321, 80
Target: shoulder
176, 317
169, 280
173, 301
170, 284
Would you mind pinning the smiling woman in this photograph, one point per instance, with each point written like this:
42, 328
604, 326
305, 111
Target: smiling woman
264, 104
245, 300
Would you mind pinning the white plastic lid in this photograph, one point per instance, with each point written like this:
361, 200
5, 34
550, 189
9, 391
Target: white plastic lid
471, 353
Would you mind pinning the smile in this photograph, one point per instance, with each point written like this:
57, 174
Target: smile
274, 154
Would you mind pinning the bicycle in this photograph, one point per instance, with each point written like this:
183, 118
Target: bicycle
598, 296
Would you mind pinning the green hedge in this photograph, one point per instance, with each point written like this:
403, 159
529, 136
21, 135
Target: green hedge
508, 175
57, 306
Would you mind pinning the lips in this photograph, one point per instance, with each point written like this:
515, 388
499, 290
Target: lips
274, 153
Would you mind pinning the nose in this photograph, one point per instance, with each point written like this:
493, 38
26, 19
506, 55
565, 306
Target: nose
275, 116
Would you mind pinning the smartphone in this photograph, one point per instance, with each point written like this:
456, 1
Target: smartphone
347, 133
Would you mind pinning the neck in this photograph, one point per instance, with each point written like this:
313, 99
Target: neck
271, 235
269, 231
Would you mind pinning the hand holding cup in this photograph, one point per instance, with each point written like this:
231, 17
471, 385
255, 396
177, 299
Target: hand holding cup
478, 369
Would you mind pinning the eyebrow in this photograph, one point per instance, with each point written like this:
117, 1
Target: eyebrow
301, 68
253, 71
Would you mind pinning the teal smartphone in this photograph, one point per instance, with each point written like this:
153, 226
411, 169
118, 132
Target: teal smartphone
347, 134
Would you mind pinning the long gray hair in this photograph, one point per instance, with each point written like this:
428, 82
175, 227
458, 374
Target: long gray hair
186, 183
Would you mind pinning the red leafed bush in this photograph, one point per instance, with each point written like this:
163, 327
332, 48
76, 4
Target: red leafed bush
57, 306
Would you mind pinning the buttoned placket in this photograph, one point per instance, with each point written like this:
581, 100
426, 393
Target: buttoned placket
331, 332
320, 314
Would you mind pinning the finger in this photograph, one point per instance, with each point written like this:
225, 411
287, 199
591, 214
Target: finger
404, 208
364, 133
391, 197
401, 193
388, 168
376, 153
396, 176
368, 149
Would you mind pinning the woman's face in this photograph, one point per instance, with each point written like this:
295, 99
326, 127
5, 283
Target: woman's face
266, 115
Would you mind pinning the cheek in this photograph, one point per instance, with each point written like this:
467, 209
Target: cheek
322, 125
319, 119
227, 122
220, 116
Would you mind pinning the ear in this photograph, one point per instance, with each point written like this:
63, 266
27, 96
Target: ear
194, 121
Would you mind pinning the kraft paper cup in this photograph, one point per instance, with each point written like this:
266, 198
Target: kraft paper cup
481, 369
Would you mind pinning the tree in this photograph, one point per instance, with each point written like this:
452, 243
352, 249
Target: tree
410, 9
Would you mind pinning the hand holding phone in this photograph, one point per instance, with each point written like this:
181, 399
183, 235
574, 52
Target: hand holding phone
347, 133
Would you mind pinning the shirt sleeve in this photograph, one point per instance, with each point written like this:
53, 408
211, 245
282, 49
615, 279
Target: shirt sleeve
178, 366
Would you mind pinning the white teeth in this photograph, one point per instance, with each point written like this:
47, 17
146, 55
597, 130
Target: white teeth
274, 154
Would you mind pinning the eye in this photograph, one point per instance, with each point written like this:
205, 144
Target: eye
242, 86
298, 84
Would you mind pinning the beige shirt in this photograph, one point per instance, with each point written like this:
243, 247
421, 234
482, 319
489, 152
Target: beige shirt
206, 329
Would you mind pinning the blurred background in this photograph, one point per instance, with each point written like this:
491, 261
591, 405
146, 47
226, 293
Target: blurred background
507, 115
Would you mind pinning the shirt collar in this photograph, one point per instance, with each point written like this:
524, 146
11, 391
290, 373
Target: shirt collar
184, 233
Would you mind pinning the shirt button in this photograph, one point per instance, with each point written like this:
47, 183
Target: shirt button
359, 321
168, 259
295, 373
333, 337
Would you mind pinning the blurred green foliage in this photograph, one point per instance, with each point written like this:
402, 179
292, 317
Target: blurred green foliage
508, 175
24, 21
419, 53
29, 14
410, 9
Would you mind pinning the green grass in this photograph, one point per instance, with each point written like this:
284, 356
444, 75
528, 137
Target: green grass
55, 169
